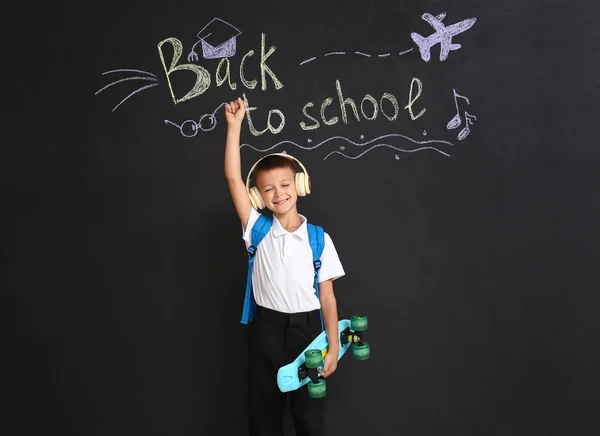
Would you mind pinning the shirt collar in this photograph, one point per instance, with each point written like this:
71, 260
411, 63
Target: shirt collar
301, 232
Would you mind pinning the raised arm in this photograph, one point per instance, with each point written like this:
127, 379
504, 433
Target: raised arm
234, 113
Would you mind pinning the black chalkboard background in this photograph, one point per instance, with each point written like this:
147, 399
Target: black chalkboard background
476, 259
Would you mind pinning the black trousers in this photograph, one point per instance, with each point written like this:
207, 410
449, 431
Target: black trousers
276, 339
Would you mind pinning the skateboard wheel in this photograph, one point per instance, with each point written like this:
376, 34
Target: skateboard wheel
358, 323
313, 358
361, 351
318, 389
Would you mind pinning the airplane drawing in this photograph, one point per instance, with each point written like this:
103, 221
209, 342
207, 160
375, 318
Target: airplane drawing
443, 35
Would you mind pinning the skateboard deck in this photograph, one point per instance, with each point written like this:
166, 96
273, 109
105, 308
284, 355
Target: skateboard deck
294, 375
287, 376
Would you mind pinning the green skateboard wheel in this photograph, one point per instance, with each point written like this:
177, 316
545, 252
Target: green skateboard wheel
361, 351
313, 358
358, 323
318, 389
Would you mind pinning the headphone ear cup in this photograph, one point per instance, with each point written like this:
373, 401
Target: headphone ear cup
251, 197
256, 199
302, 184
306, 183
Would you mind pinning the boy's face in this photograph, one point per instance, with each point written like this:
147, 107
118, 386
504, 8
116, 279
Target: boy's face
278, 189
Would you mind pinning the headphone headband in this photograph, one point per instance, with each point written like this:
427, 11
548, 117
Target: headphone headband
287, 156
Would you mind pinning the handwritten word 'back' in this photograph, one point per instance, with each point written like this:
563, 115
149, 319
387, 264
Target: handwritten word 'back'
203, 78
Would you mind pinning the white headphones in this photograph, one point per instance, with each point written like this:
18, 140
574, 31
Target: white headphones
302, 182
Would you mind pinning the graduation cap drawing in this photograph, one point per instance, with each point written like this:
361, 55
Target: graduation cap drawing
218, 39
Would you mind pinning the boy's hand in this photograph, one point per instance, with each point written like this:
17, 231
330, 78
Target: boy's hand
234, 111
329, 365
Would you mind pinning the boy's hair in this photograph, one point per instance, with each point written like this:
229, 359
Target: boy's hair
273, 162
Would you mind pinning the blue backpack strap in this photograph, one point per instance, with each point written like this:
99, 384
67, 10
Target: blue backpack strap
316, 238
259, 230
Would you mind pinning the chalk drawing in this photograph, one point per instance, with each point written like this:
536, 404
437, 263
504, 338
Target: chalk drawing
358, 53
456, 120
425, 145
443, 36
218, 40
387, 146
194, 126
150, 77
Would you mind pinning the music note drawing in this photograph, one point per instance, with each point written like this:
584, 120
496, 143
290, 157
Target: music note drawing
456, 120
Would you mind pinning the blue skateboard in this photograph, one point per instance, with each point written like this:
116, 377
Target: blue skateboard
305, 368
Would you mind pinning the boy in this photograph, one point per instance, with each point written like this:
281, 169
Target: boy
287, 315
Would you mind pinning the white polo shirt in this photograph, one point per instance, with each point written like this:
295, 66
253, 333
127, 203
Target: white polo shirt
283, 271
